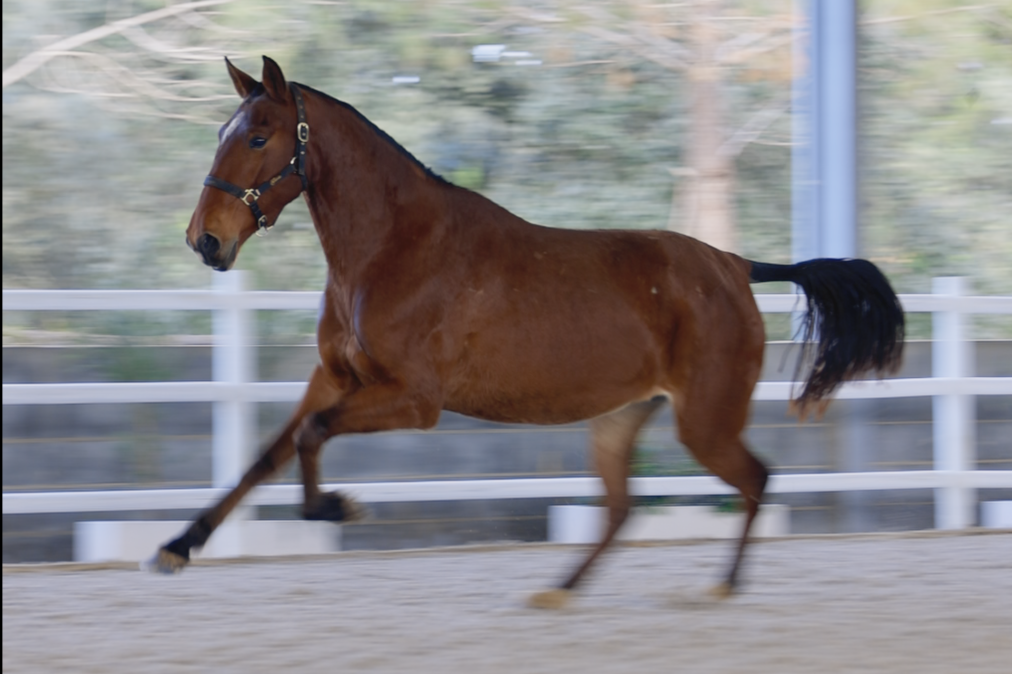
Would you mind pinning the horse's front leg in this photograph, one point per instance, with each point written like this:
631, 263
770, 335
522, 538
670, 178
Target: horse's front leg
322, 392
379, 407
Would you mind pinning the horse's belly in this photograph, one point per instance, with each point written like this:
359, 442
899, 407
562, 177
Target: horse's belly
540, 411
558, 382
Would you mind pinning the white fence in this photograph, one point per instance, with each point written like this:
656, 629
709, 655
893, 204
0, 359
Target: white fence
955, 477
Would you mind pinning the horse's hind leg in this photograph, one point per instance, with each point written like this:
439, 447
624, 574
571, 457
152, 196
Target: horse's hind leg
713, 434
743, 471
613, 436
173, 556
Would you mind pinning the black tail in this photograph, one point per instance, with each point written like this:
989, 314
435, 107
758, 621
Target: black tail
853, 312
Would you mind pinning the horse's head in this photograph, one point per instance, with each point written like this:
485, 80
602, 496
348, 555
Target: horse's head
258, 169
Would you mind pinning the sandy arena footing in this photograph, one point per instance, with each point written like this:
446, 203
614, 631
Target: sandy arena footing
880, 603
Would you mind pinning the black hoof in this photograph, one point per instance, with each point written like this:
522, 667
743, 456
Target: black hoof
334, 507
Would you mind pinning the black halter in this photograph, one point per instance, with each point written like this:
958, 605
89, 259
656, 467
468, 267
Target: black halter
296, 166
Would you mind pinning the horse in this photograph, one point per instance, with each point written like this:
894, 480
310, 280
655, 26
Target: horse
438, 299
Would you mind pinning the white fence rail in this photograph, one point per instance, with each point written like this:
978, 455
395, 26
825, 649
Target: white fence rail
954, 477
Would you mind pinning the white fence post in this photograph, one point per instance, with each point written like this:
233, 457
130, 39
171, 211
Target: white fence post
232, 364
953, 414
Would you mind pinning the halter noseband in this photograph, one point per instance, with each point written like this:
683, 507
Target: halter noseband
297, 166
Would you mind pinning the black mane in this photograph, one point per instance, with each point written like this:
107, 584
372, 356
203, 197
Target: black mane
381, 133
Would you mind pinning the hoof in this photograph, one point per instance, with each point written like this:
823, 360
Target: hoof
722, 591
166, 562
335, 507
550, 599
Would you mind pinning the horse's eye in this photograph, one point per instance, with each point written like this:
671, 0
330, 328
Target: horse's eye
257, 142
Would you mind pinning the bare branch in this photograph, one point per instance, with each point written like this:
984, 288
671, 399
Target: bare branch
743, 55
661, 44
36, 59
634, 36
754, 127
661, 57
142, 39
771, 28
201, 22
739, 42
893, 19
577, 64
128, 80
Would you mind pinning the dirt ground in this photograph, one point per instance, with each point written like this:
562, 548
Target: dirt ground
878, 603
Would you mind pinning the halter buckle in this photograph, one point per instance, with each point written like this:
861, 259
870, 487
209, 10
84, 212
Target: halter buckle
302, 131
262, 226
251, 192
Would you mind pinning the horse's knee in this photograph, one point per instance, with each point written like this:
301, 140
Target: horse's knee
311, 433
266, 465
421, 411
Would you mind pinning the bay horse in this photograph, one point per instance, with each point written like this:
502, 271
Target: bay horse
439, 299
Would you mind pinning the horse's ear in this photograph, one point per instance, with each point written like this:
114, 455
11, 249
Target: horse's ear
274, 81
244, 84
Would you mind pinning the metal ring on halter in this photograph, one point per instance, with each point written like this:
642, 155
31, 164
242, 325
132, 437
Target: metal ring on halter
251, 192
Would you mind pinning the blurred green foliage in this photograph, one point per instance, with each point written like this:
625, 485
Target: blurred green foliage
105, 147
936, 125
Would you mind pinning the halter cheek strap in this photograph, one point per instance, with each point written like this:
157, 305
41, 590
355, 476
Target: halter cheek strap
297, 166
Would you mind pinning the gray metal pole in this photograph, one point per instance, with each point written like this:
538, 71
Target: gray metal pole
837, 84
824, 155
824, 187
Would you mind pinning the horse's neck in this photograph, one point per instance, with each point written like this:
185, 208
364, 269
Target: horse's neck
366, 194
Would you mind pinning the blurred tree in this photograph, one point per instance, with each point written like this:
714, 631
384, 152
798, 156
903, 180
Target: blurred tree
110, 113
709, 45
936, 126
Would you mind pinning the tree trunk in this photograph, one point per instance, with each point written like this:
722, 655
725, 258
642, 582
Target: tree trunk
707, 194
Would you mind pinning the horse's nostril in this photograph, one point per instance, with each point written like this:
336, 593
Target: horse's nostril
208, 245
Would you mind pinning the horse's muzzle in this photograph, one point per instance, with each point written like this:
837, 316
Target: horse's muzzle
209, 248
